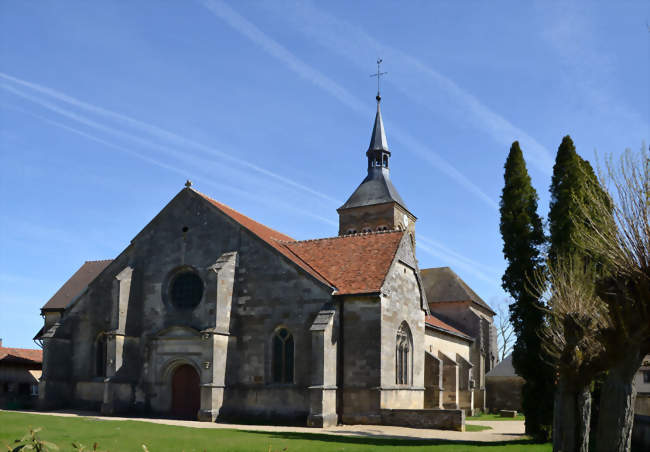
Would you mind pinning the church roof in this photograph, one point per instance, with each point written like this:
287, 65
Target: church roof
443, 285
76, 284
437, 324
350, 264
272, 237
376, 188
353, 264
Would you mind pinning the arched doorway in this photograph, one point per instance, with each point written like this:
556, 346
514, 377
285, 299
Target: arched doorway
186, 396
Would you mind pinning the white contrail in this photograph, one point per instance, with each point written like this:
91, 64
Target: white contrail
159, 133
276, 50
175, 168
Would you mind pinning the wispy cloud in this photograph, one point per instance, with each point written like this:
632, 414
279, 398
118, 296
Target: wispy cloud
143, 127
205, 180
420, 82
247, 29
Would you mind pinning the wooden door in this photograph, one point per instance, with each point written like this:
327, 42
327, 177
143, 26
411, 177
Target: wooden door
186, 396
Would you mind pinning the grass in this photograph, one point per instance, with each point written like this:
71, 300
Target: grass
124, 436
476, 428
494, 417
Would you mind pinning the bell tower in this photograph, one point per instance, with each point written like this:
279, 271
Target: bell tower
376, 205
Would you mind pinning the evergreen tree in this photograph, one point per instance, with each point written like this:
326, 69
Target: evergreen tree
523, 237
573, 178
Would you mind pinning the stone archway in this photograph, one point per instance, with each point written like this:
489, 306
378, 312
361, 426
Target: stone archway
186, 392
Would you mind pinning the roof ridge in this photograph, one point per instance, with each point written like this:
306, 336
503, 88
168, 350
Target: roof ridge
356, 234
239, 213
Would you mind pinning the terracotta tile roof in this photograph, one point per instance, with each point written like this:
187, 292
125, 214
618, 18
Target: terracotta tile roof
270, 236
354, 263
350, 264
443, 285
17, 354
435, 322
76, 284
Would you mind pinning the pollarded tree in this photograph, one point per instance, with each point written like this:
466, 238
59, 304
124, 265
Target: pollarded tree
523, 237
623, 244
576, 317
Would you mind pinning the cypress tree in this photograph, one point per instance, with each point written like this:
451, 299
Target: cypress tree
523, 238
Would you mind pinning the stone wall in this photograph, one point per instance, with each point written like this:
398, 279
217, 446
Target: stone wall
425, 418
375, 217
402, 305
503, 393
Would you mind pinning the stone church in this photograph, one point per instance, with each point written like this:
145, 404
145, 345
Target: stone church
208, 314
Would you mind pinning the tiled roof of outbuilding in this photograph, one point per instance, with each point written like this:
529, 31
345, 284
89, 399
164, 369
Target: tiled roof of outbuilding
443, 285
432, 320
21, 354
76, 284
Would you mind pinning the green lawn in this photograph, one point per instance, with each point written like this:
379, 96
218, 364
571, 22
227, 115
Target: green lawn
495, 417
124, 436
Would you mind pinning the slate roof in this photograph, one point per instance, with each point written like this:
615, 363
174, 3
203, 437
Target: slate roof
436, 323
378, 138
21, 354
76, 284
351, 264
503, 369
376, 188
443, 285
354, 263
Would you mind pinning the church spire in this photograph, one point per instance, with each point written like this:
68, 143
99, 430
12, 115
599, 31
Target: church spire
378, 139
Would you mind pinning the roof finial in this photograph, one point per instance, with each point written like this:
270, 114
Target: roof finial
378, 75
188, 183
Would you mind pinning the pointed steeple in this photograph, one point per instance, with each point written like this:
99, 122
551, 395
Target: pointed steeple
378, 139
375, 205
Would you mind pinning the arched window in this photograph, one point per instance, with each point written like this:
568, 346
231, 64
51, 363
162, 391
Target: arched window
100, 356
282, 356
403, 355
385, 161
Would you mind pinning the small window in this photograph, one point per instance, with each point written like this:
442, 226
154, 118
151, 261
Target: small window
186, 290
385, 161
34, 391
282, 356
646, 376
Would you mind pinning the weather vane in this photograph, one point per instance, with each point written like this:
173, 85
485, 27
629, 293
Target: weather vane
378, 75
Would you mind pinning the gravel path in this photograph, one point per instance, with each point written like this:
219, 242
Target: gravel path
500, 430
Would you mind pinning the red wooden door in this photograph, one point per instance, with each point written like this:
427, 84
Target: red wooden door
186, 396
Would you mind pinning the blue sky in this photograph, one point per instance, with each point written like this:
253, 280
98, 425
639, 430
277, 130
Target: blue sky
106, 108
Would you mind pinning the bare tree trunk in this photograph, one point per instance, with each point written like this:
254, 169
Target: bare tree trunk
564, 421
571, 415
614, 431
583, 405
